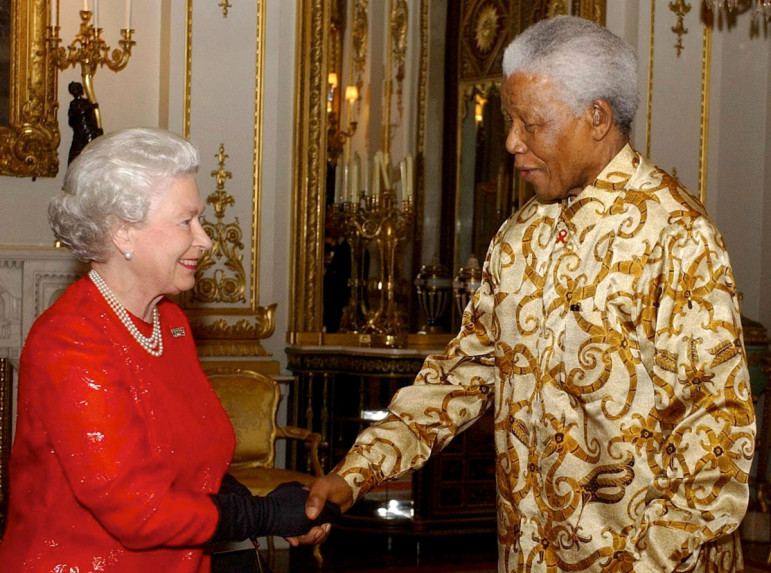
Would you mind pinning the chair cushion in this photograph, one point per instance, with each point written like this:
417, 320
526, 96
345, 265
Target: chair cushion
261, 481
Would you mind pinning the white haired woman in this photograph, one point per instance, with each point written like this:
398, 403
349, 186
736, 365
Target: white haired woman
121, 446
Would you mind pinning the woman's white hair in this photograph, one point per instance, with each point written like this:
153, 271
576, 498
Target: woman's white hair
112, 182
586, 61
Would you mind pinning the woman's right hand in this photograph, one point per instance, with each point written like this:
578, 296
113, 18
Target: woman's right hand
332, 488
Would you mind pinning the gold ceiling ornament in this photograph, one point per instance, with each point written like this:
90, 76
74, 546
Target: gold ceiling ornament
30, 140
217, 280
759, 7
486, 28
680, 8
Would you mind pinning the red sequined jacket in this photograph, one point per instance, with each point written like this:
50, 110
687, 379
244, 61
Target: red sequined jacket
115, 451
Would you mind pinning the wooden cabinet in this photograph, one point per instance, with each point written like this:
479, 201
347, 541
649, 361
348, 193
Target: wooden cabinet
339, 390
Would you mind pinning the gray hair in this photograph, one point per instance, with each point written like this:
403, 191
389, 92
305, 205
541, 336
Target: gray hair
113, 181
586, 61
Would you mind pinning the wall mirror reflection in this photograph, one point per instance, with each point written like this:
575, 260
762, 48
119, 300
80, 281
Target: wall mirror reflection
402, 96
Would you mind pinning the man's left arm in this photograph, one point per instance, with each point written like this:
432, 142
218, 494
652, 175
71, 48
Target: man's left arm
703, 406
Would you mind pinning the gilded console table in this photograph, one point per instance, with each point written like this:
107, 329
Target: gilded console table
339, 390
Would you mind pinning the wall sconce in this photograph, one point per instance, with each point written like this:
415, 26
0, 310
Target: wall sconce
479, 108
88, 48
336, 136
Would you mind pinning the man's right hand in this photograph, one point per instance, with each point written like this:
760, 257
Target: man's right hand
332, 488
328, 488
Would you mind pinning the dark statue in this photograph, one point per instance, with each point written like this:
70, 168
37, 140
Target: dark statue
82, 120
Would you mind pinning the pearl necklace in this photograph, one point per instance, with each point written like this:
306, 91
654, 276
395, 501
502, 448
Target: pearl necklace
154, 344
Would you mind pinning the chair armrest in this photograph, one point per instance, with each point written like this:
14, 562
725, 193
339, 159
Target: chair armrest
312, 438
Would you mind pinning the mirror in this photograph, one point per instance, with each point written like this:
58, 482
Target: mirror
29, 133
451, 122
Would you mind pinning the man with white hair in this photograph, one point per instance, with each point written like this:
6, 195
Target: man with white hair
606, 336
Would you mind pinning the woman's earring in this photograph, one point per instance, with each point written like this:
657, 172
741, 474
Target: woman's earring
128, 256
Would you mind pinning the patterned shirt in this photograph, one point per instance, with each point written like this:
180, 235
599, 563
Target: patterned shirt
606, 336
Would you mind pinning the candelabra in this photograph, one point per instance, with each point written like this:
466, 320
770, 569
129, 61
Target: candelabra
386, 221
90, 51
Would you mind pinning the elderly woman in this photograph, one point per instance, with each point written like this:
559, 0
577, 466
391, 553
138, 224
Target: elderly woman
121, 449
606, 336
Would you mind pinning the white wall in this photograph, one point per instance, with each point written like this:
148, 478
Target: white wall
738, 172
127, 98
739, 177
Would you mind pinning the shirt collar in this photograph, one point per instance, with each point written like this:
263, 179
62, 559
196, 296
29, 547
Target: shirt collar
596, 198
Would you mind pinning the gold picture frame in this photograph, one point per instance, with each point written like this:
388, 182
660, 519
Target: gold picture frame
29, 143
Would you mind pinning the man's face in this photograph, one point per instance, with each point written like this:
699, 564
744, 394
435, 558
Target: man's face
552, 147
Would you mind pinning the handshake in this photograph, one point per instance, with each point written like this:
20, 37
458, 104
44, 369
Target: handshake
281, 512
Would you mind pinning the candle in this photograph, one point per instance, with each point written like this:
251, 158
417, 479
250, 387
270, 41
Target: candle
376, 171
355, 183
54, 13
128, 14
85, 5
385, 168
405, 179
364, 174
346, 183
410, 178
338, 183
95, 19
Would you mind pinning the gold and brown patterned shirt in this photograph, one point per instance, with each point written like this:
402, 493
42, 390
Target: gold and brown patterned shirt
606, 336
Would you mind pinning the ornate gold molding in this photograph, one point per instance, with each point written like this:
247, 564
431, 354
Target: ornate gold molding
188, 68
398, 29
310, 160
212, 282
359, 36
680, 8
649, 109
225, 5
234, 336
29, 143
220, 328
706, 65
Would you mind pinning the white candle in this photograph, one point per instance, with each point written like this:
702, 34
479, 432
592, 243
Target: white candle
364, 176
54, 13
128, 14
410, 178
346, 183
376, 171
355, 183
85, 5
385, 167
338, 183
95, 19
405, 179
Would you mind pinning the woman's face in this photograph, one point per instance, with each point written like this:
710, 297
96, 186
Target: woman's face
550, 144
169, 244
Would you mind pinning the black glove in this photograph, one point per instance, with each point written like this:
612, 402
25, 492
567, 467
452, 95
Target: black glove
281, 512
232, 485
